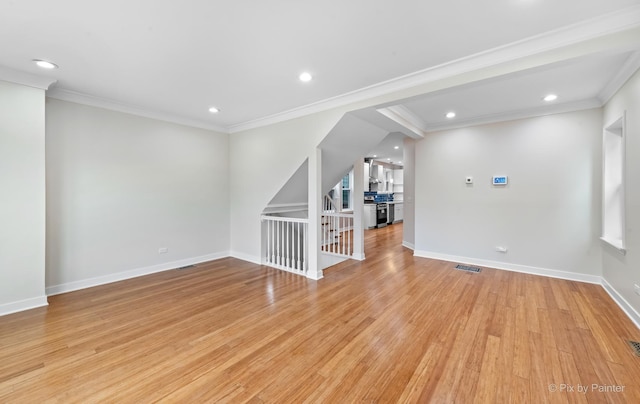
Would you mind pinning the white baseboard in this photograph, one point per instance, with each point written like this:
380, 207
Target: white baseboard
358, 257
134, 273
22, 305
316, 276
622, 302
408, 245
246, 257
552, 273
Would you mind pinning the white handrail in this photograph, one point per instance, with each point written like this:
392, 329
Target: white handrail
328, 205
284, 219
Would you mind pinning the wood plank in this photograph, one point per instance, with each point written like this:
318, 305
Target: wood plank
392, 328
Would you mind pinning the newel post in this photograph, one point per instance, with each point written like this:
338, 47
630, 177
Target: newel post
358, 209
314, 269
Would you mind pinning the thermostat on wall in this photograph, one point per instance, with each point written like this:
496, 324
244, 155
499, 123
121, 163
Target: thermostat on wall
500, 180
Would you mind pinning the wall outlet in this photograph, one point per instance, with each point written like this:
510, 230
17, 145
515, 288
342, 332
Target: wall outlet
636, 288
501, 249
468, 180
163, 250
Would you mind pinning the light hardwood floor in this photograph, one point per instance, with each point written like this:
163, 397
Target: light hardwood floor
393, 328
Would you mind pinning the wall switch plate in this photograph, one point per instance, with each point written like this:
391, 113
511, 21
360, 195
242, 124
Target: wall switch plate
163, 250
636, 288
468, 180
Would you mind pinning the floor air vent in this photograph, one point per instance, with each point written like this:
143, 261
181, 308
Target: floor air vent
468, 268
187, 267
635, 346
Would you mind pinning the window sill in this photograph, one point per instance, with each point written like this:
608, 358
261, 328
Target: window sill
617, 244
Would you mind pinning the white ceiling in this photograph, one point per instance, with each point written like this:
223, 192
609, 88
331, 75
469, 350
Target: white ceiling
585, 82
180, 58
386, 150
581, 81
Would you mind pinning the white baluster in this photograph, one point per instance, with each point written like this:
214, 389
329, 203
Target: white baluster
268, 223
298, 238
286, 247
305, 247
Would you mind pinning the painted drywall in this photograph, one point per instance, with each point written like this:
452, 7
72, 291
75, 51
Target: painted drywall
262, 161
22, 204
548, 216
351, 138
295, 191
623, 271
264, 158
120, 187
409, 192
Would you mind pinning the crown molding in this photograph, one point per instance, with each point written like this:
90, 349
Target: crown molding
519, 114
405, 117
607, 24
25, 79
631, 65
80, 98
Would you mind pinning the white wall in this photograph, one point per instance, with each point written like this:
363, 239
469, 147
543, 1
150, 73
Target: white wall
22, 200
120, 186
409, 192
548, 216
262, 160
621, 272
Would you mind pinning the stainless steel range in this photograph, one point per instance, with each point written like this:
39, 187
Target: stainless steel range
381, 215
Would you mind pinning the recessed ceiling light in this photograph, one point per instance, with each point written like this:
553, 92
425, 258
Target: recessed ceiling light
44, 64
214, 110
375, 155
550, 97
306, 76
451, 115
399, 162
389, 159
396, 147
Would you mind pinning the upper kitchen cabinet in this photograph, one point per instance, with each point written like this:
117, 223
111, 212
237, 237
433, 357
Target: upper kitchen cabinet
366, 177
398, 183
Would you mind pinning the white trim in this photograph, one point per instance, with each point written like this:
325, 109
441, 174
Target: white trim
631, 65
610, 130
607, 24
405, 117
622, 302
616, 244
316, 276
551, 273
286, 208
358, 257
246, 257
409, 245
22, 305
85, 99
287, 205
26, 79
134, 273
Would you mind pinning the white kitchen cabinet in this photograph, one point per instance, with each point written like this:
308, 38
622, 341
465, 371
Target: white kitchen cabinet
398, 212
398, 185
398, 176
366, 177
370, 216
